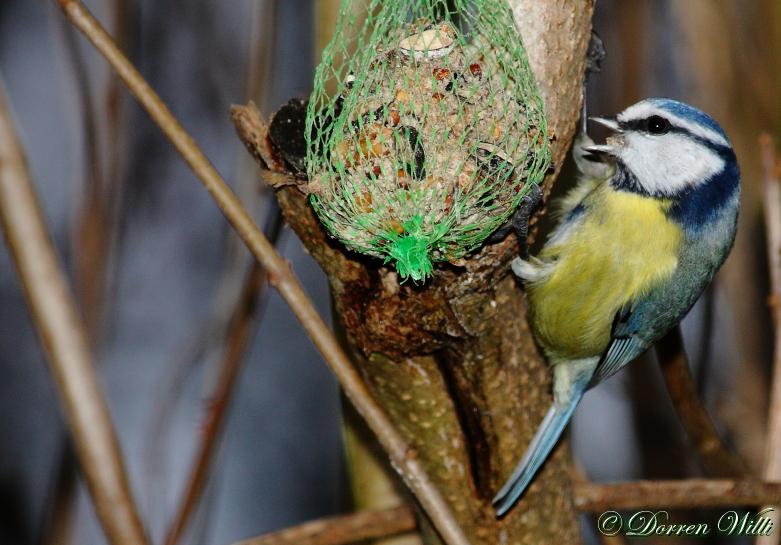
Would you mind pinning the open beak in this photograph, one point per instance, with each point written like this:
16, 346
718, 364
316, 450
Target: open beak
610, 147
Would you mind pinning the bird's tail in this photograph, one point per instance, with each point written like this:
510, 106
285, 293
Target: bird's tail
543, 442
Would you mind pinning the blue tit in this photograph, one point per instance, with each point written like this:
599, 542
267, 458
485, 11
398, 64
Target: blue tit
643, 233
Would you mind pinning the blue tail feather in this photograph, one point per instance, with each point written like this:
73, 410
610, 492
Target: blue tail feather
543, 442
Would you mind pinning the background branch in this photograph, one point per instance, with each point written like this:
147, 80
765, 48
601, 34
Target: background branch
589, 497
238, 340
343, 530
689, 494
772, 207
714, 454
280, 276
62, 334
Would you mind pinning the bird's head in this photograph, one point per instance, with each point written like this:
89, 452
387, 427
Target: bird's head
665, 148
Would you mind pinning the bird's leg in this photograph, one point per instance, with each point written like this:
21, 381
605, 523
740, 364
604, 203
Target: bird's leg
522, 216
520, 219
519, 222
595, 54
587, 163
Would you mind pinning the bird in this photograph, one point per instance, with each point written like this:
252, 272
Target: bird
650, 221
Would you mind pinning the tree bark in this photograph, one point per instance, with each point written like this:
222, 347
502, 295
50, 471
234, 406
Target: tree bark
453, 361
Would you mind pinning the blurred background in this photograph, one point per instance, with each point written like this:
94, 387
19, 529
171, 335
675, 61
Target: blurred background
158, 274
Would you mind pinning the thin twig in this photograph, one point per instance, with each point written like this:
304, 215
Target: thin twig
91, 230
685, 494
713, 453
238, 340
63, 336
58, 523
343, 530
235, 348
772, 208
280, 276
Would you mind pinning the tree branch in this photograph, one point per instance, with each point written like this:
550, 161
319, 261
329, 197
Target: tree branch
713, 453
343, 530
240, 331
589, 497
772, 207
63, 336
280, 276
236, 344
685, 494
453, 362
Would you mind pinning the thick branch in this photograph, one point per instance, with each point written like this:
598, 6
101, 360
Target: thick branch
453, 361
686, 494
280, 276
343, 530
63, 336
713, 453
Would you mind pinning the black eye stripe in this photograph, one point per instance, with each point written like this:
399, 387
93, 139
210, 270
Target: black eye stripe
649, 124
722, 150
641, 125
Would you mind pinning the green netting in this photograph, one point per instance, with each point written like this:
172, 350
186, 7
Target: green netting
425, 129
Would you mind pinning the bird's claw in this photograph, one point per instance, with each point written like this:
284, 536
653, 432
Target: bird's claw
520, 220
595, 54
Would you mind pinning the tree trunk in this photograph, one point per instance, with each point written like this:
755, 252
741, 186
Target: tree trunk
453, 362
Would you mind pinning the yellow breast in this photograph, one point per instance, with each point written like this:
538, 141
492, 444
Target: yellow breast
620, 248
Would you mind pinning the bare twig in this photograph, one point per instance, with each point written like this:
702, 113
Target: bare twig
714, 455
58, 523
91, 231
772, 206
92, 234
280, 276
63, 336
343, 530
686, 494
238, 340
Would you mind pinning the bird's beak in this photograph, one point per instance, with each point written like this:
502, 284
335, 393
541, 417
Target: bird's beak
611, 124
601, 149
613, 143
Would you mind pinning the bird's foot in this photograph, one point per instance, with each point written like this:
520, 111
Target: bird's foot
595, 54
519, 222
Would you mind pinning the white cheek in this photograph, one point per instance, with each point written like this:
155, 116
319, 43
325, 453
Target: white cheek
670, 163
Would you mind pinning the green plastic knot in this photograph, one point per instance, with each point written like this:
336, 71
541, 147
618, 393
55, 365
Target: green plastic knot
411, 250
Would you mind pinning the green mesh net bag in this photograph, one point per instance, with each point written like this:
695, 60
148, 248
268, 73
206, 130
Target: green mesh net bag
425, 129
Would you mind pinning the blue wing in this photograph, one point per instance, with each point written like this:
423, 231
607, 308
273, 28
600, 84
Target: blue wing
626, 344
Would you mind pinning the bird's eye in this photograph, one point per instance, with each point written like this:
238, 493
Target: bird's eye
658, 125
